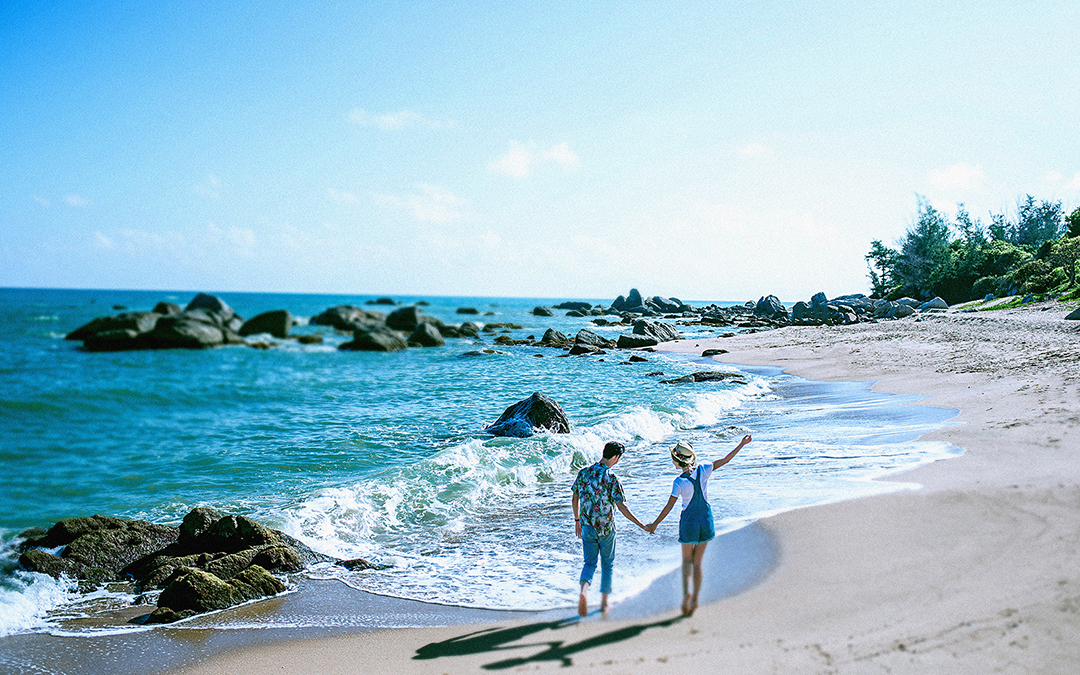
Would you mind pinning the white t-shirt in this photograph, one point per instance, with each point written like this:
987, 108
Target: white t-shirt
682, 487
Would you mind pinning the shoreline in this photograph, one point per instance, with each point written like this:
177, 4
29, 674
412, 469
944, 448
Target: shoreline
974, 572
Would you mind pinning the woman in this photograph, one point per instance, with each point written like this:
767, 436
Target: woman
696, 521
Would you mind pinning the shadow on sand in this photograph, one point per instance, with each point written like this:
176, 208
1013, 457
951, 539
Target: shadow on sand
499, 639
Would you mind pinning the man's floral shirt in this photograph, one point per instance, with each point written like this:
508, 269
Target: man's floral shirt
598, 491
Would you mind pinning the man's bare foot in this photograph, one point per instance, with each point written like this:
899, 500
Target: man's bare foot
604, 609
686, 605
583, 601
692, 607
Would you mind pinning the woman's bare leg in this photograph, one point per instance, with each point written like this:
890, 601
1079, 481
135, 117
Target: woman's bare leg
697, 555
687, 570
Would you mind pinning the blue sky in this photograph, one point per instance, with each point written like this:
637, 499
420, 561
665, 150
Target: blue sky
709, 150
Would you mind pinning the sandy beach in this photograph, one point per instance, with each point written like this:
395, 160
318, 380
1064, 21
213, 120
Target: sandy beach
976, 572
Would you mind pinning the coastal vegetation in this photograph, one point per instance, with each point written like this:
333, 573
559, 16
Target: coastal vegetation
1033, 252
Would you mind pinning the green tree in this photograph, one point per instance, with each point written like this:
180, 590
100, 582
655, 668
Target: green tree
970, 230
1072, 221
923, 249
881, 261
1066, 253
1000, 227
1035, 223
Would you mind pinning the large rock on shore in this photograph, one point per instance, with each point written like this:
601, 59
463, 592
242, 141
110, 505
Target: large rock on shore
771, 307
539, 412
200, 591
210, 555
95, 548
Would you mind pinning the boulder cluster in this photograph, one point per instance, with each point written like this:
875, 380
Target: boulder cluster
211, 561
820, 311
207, 321
404, 327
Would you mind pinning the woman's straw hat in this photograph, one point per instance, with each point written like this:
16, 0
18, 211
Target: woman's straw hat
683, 453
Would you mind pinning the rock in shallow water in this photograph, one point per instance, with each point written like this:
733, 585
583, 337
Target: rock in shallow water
539, 412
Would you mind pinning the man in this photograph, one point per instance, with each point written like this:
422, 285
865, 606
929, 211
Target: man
596, 490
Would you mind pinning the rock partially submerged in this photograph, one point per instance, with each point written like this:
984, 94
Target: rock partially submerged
207, 321
661, 332
375, 338
426, 335
277, 323
589, 342
707, 376
210, 561
539, 412
652, 305
347, 318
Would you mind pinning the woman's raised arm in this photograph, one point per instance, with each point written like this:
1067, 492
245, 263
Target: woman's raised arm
721, 462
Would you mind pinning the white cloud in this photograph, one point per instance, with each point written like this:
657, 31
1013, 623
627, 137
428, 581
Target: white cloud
209, 188
433, 204
959, 176
1074, 184
520, 158
102, 241
342, 197
77, 201
41, 200
490, 239
754, 150
944, 206
403, 119
517, 162
562, 155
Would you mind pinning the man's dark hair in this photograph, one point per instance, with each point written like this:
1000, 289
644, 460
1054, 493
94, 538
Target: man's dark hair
613, 448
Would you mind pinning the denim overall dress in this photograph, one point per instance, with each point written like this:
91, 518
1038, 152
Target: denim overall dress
696, 523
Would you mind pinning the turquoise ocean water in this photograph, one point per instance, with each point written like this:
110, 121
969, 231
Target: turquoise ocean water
383, 456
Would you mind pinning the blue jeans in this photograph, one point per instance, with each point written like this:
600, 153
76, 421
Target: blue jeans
597, 546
